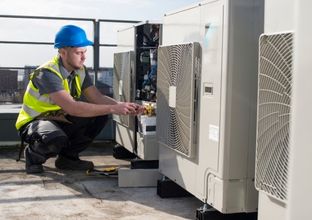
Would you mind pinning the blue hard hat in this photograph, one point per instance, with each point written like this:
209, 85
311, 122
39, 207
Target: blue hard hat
71, 36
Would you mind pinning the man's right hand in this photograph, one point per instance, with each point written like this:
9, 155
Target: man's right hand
126, 108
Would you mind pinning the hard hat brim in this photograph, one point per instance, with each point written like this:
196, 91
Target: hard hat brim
82, 44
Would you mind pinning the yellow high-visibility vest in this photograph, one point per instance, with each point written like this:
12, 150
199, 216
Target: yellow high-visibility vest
35, 104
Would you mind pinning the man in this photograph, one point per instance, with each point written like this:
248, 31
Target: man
54, 120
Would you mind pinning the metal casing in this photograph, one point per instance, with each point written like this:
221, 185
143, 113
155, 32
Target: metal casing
274, 113
126, 39
123, 91
221, 172
130, 46
275, 22
123, 84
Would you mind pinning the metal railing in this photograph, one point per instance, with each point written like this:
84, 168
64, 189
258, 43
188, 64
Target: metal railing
96, 39
96, 35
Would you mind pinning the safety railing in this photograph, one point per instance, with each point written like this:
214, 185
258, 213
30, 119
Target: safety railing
13, 76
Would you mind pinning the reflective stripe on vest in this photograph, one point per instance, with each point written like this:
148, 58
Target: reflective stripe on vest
35, 104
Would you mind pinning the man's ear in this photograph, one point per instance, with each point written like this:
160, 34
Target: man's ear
62, 52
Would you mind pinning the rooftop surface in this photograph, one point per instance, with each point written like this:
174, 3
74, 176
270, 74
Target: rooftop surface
57, 194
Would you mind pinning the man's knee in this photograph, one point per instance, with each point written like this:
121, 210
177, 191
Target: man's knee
50, 144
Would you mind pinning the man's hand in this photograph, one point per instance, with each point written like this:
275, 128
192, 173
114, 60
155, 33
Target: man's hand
127, 108
139, 109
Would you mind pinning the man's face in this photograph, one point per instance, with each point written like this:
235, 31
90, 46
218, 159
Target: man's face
74, 57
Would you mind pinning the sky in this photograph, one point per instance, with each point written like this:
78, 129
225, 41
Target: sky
108, 9
44, 30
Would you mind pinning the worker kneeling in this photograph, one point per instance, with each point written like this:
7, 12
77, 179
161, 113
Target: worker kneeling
54, 121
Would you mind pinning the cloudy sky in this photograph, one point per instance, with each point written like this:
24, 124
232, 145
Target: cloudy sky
109, 9
44, 30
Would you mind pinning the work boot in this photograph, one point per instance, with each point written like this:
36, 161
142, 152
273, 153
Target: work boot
66, 163
31, 166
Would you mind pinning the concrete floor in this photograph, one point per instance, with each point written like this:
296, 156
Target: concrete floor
74, 195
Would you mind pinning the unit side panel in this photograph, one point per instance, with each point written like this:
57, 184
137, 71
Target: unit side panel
123, 84
125, 137
275, 16
212, 16
269, 208
125, 40
181, 27
245, 26
122, 91
178, 168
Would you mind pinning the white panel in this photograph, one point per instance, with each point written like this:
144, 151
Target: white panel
276, 21
229, 196
147, 147
300, 176
123, 81
172, 96
270, 208
125, 39
125, 137
181, 29
174, 166
213, 133
212, 32
120, 88
279, 16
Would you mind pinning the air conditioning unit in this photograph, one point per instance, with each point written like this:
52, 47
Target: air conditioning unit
206, 101
135, 70
123, 84
274, 108
274, 111
299, 178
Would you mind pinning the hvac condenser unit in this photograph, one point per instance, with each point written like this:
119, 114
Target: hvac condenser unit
274, 109
274, 106
206, 101
123, 84
135, 71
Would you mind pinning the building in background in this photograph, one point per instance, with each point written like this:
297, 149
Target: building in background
105, 81
8, 80
8, 86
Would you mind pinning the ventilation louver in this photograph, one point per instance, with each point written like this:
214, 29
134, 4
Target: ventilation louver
123, 81
274, 107
177, 86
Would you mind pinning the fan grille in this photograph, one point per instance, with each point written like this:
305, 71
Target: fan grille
178, 66
274, 106
122, 81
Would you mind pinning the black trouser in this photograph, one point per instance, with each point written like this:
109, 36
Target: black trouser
50, 138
